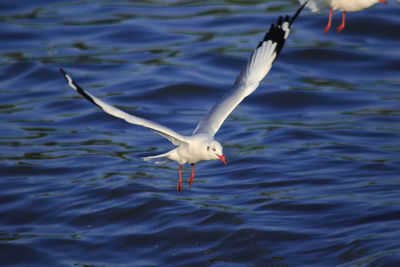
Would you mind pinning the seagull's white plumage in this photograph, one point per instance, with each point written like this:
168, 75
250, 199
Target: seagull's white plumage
341, 5
201, 144
248, 80
171, 135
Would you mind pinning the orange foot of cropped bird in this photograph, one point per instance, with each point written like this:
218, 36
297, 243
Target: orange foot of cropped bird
341, 27
328, 26
191, 176
179, 187
341, 5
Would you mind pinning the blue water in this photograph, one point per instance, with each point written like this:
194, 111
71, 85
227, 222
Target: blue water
313, 175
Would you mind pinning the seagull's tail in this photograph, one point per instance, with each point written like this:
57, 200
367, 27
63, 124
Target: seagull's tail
158, 159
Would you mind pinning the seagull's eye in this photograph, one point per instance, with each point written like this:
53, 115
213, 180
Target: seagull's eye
214, 149
208, 148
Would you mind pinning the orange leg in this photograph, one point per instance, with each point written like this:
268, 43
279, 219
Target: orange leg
341, 27
328, 26
179, 188
192, 176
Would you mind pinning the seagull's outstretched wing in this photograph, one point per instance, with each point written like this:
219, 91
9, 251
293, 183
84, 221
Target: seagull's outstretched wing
171, 135
249, 78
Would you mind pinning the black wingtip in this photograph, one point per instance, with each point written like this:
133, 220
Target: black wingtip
76, 87
298, 12
63, 73
277, 33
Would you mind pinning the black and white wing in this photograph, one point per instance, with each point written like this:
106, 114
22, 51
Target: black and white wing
171, 135
257, 67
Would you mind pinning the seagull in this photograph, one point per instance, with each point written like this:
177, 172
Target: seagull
201, 145
341, 5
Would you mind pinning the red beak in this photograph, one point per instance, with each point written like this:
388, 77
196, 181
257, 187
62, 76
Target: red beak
222, 158
383, 1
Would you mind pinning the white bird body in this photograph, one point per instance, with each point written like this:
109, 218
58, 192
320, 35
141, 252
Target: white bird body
192, 151
341, 5
201, 144
352, 5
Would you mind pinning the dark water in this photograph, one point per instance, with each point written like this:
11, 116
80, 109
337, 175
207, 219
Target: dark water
314, 154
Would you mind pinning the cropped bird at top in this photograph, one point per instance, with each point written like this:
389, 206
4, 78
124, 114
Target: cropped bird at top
201, 144
341, 5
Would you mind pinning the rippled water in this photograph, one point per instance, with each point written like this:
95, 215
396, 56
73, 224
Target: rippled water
314, 154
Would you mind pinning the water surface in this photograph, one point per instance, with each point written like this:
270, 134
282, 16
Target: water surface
314, 154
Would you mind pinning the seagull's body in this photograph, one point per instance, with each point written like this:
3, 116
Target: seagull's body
201, 145
194, 150
342, 5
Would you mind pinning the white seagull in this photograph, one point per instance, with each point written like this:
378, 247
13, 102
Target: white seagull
341, 5
201, 144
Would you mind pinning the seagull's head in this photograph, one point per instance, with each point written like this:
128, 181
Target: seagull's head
214, 151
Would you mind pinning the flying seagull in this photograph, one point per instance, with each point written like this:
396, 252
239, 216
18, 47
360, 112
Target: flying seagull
201, 145
341, 5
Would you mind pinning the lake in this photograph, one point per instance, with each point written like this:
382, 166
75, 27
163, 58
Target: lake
313, 174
